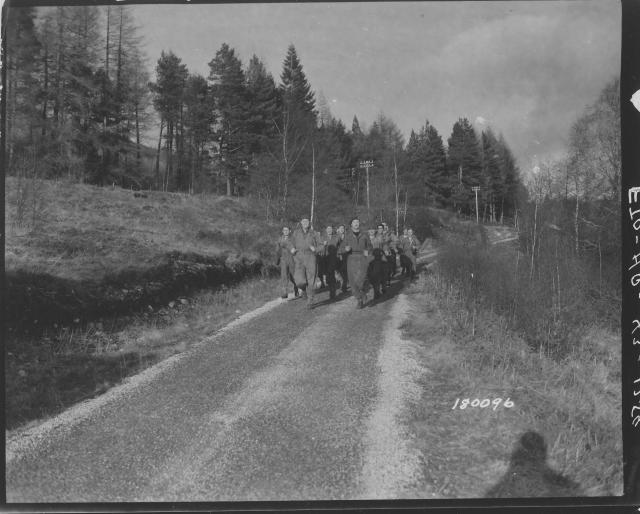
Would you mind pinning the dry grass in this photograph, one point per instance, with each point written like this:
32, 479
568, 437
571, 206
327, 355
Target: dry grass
572, 403
79, 257
72, 363
83, 232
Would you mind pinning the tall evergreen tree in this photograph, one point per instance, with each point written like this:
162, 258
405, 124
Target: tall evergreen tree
263, 113
171, 77
297, 121
492, 190
23, 88
295, 88
231, 103
435, 166
198, 122
512, 183
263, 108
464, 165
425, 167
355, 127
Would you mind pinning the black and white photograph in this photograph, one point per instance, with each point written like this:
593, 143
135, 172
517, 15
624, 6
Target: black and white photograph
267, 252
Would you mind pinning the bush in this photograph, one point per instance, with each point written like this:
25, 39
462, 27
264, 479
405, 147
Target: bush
549, 306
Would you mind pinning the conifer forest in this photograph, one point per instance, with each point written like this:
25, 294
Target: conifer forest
80, 99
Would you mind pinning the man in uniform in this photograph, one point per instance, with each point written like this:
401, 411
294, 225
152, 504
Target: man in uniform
391, 241
357, 246
405, 262
285, 261
329, 254
342, 258
411, 245
321, 262
304, 245
375, 242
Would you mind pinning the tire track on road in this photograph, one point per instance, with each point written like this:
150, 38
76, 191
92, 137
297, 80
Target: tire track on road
392, 469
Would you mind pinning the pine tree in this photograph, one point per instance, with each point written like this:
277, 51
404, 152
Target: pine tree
263, 111
435, 166
198, 122
512, 184
297, 121
231, 103
464, 165
23, 90
263, 98
295, 88
425, 167
171, 77
355, 127
492, 190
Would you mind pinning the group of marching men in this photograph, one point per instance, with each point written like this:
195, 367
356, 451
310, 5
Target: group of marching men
359, 258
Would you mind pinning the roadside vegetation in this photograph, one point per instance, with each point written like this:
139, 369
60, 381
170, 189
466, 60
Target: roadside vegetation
538, 323
103, 282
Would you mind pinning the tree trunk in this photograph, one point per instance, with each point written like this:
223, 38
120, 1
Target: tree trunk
180, 149
119, 60
169, 167
158, 156
57, 106
138, 158
11, 101
395, 178
576, 224
45, 90
533, 243
313, 181
106, 57
404, 220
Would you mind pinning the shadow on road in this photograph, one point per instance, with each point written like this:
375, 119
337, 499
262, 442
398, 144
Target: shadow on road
529, 475
397, 284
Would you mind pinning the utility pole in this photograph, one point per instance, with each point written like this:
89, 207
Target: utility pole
395, 177
313, 181
356, 185
366, 165
404, 220
475, 190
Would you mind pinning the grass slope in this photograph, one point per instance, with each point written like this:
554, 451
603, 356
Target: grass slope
83, 232
104, 282
561, 435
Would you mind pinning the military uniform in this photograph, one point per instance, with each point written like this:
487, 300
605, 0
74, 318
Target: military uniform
329, 256
287, 266
377, 272
305, 260
410, 245
378, 241
392, 245
357, 262
342, 263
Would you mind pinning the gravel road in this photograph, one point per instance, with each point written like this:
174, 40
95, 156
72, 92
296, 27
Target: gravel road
290, 404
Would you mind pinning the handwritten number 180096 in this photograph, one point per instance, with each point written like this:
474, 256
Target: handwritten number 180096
467, 402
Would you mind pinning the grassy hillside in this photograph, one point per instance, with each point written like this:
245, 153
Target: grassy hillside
84, 232
75, 251
104, 282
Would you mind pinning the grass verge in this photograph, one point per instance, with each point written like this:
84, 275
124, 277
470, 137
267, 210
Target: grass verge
561, 437
68, 364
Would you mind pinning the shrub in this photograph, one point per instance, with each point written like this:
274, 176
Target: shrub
549, 306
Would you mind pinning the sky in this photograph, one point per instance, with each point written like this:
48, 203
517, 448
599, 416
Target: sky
527, 69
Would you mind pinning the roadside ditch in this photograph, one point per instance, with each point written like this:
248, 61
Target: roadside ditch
68, 341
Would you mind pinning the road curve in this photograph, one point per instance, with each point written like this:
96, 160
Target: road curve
281, 407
